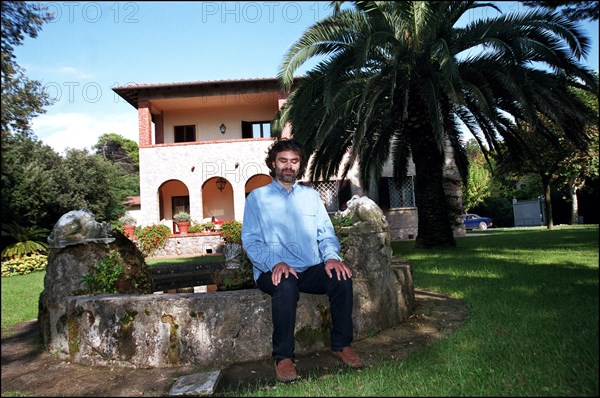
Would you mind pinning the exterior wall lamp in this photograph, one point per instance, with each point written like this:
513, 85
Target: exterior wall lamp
223, 128
221, 182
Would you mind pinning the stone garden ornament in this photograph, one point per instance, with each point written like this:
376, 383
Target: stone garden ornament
79, 226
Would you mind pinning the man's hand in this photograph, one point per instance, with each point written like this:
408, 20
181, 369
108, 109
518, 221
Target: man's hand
281, 269
341, 269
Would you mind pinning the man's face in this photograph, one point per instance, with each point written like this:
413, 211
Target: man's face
286, 166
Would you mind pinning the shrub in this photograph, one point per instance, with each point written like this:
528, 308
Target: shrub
238, 278
231, 231
24, 265
195, 227
153, 237
104, 275
339, 222
208, 226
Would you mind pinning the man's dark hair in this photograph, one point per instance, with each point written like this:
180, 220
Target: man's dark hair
285, 145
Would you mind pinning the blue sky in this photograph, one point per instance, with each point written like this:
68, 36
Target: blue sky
91, 47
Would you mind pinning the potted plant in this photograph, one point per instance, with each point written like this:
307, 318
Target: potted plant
182, 219
208, 226
128, 222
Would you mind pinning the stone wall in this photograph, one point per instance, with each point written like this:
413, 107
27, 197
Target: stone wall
212, 329
195, 244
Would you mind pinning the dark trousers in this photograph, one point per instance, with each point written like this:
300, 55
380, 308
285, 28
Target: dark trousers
284, 299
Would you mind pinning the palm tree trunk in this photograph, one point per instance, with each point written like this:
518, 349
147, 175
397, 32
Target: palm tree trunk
434, 225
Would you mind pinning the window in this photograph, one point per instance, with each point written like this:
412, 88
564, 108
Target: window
185, 133
404, 195
329, 194
256, 129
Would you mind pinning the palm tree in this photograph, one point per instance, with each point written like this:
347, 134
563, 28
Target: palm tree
25, 240
398, 80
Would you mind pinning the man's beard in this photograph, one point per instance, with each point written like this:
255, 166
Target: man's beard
287, 178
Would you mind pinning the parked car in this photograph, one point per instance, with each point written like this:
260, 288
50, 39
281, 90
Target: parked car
474, 221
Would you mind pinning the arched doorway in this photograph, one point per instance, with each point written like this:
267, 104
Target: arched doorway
217, 199
174, 197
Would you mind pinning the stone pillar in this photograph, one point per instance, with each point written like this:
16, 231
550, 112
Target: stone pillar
383, 295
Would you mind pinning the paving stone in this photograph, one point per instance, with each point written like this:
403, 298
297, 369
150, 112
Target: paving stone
197, 384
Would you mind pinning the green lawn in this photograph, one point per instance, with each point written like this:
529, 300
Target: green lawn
532, 330
20, 296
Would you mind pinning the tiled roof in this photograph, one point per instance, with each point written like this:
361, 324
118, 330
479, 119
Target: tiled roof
194, 83
131, 92
132, 201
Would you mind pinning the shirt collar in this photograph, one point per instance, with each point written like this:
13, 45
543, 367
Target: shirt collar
281, 188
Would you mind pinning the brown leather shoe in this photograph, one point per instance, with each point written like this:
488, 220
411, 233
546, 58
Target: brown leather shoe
285, 370
349, 357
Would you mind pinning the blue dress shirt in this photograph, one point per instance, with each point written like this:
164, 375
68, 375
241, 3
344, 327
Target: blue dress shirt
292, 227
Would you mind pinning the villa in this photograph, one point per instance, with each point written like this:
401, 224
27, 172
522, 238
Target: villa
202, 149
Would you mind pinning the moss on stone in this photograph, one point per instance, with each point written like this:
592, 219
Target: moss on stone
308, 337
74, 340
125, 340
173, 354
128, 318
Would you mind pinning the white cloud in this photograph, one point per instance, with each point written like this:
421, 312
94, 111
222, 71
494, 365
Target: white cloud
70, 71
80, 130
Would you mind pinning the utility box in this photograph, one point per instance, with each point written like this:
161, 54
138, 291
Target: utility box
529, 212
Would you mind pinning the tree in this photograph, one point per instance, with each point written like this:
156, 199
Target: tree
39, 186
559, 161
581, 165
32, 180
571, 9
125, 153
478, 186
22, 98
90, 184
118, 149
398, 80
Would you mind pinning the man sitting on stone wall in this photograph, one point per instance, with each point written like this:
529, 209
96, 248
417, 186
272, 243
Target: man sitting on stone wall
290, 240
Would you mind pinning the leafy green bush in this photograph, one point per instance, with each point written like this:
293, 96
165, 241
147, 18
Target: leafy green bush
231, 231
153, 237
24, 265
195, 227
238, 278
104, 275
339, 222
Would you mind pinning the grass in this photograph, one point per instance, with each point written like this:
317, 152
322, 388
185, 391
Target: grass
20, 296
532, 331
153, 262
